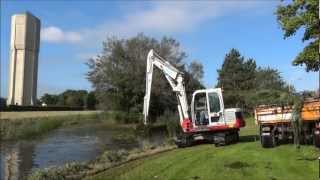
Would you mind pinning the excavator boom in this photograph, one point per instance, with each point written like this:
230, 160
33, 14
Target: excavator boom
175, 79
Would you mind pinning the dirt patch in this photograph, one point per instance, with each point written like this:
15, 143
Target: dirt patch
195, 178
307, 159
237, 165
268, 166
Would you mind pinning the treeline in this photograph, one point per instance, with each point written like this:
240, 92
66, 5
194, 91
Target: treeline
247, 85
66, 101
71, 98
118, 74
118, 77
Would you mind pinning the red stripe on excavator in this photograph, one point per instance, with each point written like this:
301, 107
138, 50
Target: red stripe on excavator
209, 128
240, 123
186, 125
188, 128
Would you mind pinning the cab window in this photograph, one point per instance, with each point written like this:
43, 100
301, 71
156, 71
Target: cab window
201, 111
200, 101
214, 102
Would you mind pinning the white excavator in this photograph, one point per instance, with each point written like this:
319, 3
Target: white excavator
207, 119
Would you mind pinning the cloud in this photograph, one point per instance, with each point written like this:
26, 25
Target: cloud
167, 17
175, 16
155, 18
159, 18
56, 35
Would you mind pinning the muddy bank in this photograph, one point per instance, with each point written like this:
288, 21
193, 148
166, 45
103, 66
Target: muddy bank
108, 160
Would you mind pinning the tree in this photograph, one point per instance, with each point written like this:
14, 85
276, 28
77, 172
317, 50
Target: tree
91, 101
245, 85
236, 76
270, 88
302, 14
236, 73
118, 74
308, 94
268, 78
74, 98
49, 99
3, 102
196, 70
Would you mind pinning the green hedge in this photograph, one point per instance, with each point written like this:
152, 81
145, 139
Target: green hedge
40, 108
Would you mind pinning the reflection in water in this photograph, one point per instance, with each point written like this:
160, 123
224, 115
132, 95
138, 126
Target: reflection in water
16, 160
78, 143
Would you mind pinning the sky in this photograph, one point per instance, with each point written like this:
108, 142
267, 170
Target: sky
73, 31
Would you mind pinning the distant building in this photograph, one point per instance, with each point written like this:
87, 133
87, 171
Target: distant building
24, 50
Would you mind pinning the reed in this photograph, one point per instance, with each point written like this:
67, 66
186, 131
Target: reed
22, 128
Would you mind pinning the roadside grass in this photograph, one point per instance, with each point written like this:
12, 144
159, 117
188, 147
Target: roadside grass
244, 160
23, 128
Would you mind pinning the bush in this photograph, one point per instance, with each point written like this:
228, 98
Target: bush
126, 118
171, 120
11, 129
114, 156
41, 108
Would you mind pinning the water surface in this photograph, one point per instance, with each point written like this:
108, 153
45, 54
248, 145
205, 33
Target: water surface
65, 145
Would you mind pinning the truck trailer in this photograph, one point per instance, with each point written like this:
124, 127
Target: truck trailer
277, 123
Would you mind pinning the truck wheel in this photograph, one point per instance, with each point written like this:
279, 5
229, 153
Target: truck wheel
268, 141
317, 138
301, 139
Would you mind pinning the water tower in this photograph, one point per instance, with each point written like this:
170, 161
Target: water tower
24, 51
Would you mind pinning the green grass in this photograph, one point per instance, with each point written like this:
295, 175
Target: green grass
38, 114
244, 160
13, 129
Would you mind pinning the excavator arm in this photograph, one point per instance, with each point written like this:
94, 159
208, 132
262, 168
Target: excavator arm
176, 81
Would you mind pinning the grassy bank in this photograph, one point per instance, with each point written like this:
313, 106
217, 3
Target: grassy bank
244, 160
39, 114
240, 161
21, 128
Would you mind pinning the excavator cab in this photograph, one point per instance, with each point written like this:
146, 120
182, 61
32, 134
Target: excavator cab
200, 109
207, 107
